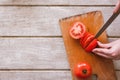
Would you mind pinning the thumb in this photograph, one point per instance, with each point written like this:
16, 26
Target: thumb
117, 7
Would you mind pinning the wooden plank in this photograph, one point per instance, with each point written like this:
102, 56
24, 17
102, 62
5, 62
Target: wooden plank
32, 53
39, 75
113, 30
118, 75
22, 53
34, 21
112, 39
117, 64
57, 2
35, 75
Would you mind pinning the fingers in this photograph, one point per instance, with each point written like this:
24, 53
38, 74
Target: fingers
117, 7
103, 52
110, 50
103, 45
103, 55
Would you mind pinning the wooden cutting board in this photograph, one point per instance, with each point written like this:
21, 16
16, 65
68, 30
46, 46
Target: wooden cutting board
103, 68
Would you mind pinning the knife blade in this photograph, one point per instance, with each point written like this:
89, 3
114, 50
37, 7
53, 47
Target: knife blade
109, 21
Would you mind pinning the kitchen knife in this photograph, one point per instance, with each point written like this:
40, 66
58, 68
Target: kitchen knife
109, 21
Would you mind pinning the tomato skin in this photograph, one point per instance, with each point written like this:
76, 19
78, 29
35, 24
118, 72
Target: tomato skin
91, 46
83, 38
82, 70
88, 42
77, 30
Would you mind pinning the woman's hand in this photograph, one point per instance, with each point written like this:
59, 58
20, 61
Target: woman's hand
110, 50
117, 7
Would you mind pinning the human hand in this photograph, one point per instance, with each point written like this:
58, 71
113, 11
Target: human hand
109, 50
117, 7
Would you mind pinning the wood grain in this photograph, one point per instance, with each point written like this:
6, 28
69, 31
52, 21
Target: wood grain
33, 21
57, 2
27, 27
76, 54
118, 75
35, 75
38, 75
15, 55
32, 53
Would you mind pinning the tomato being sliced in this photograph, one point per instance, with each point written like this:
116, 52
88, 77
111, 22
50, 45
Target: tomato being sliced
82, 70
88, 42
77, 30
91, 46
82, 39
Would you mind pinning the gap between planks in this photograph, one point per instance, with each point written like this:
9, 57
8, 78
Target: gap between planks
34, 70
45, 37
30, 36
38, 70
57, 5
113, 36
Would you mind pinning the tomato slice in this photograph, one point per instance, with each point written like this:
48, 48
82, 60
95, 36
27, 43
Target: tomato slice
82, 70
77, 30
82, 39
91, 46
86, 40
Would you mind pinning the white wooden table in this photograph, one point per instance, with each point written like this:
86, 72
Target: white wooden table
31, 44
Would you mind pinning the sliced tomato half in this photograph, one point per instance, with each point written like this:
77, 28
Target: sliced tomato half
77, 30
82, 39
91, 46
86, 40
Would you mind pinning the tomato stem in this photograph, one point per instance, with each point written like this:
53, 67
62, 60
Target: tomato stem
84, 71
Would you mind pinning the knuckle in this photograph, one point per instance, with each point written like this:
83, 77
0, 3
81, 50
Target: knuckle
113, 54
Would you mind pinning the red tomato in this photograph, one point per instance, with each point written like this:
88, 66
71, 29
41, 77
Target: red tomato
83, 38
91, 46
88, 42
82, 70
77, 30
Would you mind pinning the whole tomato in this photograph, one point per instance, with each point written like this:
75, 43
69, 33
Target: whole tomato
82, 70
